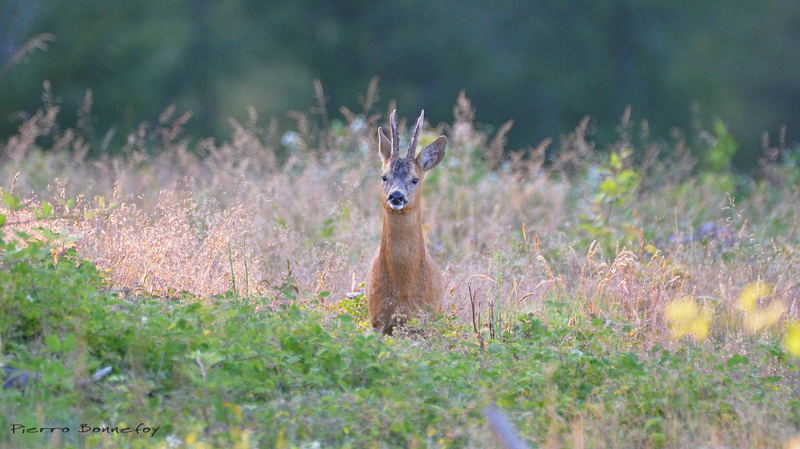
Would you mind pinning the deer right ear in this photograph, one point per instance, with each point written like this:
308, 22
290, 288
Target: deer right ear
384, 146
432, 154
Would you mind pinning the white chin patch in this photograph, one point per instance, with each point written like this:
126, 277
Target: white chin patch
396, 207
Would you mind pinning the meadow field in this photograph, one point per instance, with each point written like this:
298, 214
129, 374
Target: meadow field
644, 294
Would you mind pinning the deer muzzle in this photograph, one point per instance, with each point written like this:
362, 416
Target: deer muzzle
396, 199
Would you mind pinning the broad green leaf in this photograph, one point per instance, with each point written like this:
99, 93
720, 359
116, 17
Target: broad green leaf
69, 342
53, 342
12, 201
46, 211
737, 359
653, 422
608, 186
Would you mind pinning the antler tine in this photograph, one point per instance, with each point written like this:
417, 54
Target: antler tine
395, 135
412, 149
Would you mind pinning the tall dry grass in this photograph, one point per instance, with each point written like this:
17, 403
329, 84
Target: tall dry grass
168, 214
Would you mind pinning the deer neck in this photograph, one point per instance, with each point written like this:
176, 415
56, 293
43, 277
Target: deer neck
402, 246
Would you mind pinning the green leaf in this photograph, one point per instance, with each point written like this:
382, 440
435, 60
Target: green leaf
12, 201
626, 176
48, 379
615, 161
737, 359
45, 212
608, 186
657, 439
53, 342
2, 219
67, 204
653, 422
23, 235
34, 314
69, 342
327, 228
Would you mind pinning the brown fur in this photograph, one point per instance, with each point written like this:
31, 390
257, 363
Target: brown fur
403, 277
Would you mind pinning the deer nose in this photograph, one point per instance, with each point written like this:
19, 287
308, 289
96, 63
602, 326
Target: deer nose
397, 198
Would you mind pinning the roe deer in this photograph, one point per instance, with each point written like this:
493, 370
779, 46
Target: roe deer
403, 277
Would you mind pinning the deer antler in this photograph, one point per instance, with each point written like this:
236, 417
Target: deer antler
395, 136
412, 148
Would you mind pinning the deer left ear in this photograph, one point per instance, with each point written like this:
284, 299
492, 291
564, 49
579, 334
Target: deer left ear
432, 154
384, 146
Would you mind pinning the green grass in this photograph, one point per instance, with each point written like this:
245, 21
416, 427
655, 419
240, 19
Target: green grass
231, 371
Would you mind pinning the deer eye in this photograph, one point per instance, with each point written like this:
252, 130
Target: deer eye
383, 178
415, 181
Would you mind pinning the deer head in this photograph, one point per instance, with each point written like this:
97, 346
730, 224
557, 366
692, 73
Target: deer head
402, 176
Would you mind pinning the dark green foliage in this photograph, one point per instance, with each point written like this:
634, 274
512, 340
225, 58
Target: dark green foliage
46, 291
543, 64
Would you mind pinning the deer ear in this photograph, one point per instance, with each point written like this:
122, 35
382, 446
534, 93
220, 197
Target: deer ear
432, 154
384, 146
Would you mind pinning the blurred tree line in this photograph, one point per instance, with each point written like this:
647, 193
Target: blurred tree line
544, 64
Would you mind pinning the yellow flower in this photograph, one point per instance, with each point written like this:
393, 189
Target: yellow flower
751, 293
686, 318
757, 318
701, 323
792, 341
681, 310
764, 317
